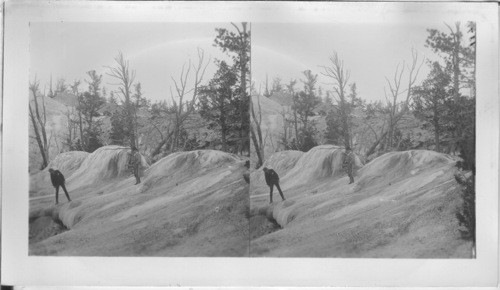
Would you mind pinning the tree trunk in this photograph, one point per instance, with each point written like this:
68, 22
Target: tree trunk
244, 101
131, 128
43, 152
296, 126
390, 131
158, 147
222, 123
436, 140
223, 136
436, 134
41, 122
89, 129
375, 144
42, 127
258, 144
164, 141
173, 145
345, 123
285, 129
259, 129
257, 149
82, 142
456, 62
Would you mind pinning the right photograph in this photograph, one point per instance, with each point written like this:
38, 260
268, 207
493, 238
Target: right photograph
363, 140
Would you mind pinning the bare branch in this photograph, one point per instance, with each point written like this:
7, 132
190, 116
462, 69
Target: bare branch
449, 27
237, 29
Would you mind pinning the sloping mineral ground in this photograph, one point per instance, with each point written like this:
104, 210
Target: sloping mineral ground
188, 204
402, 205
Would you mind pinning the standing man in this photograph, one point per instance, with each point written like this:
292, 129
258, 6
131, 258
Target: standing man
272, 179
135, 162
348, 163
57, 179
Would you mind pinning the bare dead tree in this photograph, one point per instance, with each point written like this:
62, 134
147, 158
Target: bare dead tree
38, 118
125, 79
392, 101
399, 108
340, 76
183, 109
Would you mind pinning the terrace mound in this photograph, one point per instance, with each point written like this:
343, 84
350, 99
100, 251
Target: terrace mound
189, 204
402, 204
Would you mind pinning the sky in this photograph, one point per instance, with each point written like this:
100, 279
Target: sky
370, 52
156, 51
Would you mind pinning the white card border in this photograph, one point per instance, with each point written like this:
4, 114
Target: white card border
20, 269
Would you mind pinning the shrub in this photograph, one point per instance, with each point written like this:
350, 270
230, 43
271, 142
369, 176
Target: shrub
466, 214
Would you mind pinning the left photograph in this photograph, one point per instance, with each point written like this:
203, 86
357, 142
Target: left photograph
139, 139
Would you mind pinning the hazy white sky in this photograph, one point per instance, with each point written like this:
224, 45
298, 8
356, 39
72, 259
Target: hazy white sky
369, 51
156, 51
